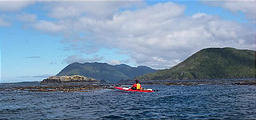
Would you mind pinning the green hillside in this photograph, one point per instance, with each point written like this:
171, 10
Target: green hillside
210, 63
104, 71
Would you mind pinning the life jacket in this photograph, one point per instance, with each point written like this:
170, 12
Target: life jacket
137, 86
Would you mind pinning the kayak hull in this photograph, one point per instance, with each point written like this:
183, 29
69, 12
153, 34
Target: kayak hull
128, 89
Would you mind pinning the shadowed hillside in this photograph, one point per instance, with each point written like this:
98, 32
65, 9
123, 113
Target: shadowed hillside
104, 71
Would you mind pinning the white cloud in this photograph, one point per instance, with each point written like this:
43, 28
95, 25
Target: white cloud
50, 27
81, 59
4, 23
97, 9
114, 62
157, 36
14, 5
246, 6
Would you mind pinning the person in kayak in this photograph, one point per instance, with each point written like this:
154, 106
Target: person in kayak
136, 86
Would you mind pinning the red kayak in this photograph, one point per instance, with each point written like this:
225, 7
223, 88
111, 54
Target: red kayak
129, 89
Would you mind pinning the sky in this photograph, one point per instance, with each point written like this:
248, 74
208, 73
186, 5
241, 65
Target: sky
39, 38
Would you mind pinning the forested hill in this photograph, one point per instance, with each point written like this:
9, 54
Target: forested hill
210, 63
104, 71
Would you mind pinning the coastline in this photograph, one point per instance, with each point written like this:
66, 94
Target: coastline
90, 86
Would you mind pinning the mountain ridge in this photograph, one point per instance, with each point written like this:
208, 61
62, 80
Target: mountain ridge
104, 71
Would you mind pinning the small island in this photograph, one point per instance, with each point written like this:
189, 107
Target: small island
73, 83
68, 79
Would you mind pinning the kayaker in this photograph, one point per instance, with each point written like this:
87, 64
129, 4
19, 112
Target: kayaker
136, 86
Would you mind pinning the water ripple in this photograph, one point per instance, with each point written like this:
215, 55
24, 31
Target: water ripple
170, 102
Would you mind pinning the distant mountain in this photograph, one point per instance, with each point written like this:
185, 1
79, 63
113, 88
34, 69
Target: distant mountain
211, 63
104, 71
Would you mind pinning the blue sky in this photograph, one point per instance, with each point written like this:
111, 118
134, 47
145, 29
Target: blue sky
38, 39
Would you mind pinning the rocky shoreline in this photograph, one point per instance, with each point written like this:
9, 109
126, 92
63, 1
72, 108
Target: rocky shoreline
212, 83
250, 81
91, 86
74, 83
63, 88
58, 87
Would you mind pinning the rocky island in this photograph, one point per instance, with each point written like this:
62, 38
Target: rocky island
68, 79
73, 83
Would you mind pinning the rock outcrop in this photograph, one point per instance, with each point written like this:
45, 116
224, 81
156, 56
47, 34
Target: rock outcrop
68, 79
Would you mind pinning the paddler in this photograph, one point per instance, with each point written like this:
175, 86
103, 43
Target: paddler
136, 86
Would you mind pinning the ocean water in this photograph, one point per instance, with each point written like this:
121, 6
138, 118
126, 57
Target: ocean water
169, 102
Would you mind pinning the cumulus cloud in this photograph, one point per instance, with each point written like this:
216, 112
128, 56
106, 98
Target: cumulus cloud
158, 36
96, 9
81, 59
14, 5
246, 6
49, 27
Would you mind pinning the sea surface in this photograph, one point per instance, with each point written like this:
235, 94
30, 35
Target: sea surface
169, 102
